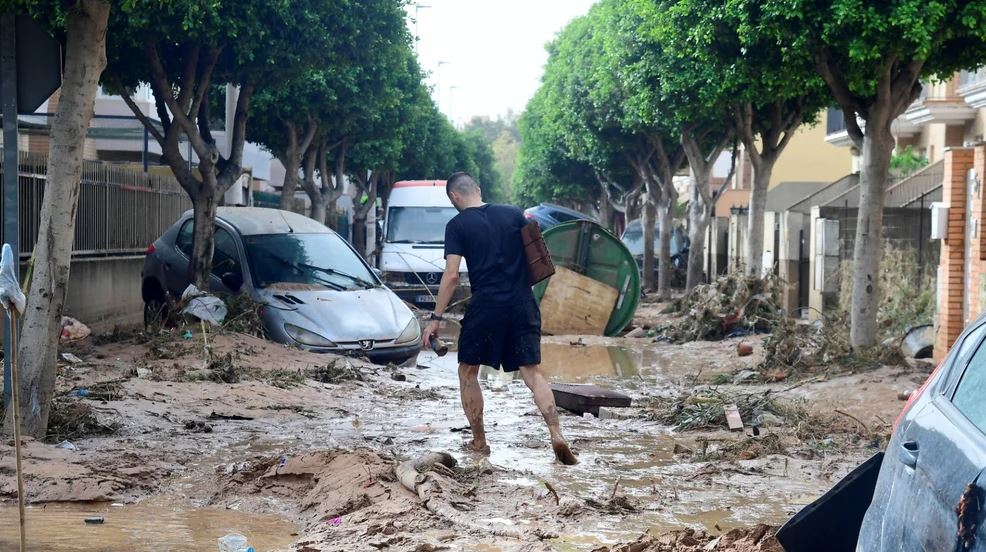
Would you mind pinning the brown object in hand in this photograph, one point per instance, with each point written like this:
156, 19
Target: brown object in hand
539, 265
439, 346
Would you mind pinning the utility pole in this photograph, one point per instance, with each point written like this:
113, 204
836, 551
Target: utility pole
417, 8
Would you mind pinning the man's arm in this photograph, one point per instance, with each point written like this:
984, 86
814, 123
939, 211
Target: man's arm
450, 281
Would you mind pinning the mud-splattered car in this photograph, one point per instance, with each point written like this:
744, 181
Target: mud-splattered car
929, 494
315, 291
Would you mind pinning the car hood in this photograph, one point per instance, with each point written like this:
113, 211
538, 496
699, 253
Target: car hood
342, 316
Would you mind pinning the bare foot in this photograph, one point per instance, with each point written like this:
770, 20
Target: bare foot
563, 453
478, 447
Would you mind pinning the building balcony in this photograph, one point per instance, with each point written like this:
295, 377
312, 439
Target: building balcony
940, 103
972, 87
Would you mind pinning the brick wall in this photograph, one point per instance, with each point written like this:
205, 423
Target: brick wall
951, 277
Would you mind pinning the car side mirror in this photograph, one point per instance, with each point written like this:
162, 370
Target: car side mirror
233, 281
378, 273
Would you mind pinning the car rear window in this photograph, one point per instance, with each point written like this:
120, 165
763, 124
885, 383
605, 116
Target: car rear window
970, 393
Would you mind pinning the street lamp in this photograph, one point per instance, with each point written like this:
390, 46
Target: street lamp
417, 37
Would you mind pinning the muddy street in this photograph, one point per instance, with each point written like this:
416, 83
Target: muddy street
177, 445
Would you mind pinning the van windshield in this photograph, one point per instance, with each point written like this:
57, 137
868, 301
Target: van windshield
418, 224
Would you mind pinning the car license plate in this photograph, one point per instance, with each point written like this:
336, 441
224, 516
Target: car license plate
425, 299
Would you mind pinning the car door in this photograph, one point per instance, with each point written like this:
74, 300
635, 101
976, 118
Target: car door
176, 272
941, 451
226, 261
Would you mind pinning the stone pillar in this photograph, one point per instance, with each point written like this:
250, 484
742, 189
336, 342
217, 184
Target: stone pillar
951, 267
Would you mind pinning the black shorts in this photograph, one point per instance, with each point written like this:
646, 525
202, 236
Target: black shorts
501, 336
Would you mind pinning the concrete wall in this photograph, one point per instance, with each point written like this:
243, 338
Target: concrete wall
104, 293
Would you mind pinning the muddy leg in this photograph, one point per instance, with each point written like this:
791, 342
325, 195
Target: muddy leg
545, 401
472, 404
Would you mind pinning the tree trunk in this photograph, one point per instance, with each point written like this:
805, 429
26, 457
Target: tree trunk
698, 225
292, 164
647, 226
204, 213
666, 213
359, 234
755, 215
38, 348
878, 144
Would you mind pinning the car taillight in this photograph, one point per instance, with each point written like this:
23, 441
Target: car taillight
151, 249
915, 395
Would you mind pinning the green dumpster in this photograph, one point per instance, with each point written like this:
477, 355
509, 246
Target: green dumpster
589, 249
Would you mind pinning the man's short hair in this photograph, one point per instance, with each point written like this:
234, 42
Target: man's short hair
461, 183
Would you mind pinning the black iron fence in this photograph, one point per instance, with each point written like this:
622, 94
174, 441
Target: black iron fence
121, 211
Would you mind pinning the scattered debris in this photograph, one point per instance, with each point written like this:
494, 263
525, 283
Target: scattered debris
73, 418
918, 342
337, 371
758, 539
706, 408
637, 333
73, 330
744, 349
203, 306
243, 315
198, 427
731, 303
286, 379
67, 445
95, 520
232, 417
733, 418
587, 398
72, 359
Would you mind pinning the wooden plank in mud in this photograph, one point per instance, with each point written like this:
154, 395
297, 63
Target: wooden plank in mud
587, 398
576, 304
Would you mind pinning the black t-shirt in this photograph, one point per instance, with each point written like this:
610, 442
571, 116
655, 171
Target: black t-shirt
488, 238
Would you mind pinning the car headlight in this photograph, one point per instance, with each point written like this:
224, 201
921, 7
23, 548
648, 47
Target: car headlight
306, 337
411, 333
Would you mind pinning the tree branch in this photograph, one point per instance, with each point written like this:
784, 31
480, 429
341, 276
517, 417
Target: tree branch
309, 135
843, 96
189, 76
144, 119
162, 89
202, 92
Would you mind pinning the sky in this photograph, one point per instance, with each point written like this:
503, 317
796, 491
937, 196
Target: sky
493, 49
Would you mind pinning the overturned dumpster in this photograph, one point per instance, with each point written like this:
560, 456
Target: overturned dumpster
596, 286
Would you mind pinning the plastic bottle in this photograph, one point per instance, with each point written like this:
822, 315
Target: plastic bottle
234, 542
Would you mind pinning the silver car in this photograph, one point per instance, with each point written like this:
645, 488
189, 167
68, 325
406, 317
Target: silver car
315, 291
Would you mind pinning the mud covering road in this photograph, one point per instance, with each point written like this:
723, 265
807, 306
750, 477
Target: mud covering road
176, 442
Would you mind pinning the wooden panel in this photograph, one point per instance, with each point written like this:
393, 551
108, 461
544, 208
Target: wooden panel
576, 304
587, 398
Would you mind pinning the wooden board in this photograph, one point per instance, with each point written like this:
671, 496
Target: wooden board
587, 398
576, 304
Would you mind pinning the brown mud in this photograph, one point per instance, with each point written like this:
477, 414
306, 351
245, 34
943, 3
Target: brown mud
190, 439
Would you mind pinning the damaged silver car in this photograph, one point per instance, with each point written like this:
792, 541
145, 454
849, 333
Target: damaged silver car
315, 291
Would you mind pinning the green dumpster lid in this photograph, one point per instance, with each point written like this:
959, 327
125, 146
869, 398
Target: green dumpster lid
591, 250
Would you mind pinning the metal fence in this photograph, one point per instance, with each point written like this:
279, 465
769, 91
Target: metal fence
121, 211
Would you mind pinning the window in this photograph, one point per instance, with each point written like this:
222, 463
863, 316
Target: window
225, 258
969, 394
418, 224
184, 240
562, 216
313, 259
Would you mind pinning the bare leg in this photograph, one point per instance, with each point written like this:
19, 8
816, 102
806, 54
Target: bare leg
545, 401
472, 403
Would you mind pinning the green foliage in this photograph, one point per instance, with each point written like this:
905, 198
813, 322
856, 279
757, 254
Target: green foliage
906, 160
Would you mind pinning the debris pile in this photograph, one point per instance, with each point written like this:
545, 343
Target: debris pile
74, 418
795, 347
758, 539
732, 305
243, 315
706, 409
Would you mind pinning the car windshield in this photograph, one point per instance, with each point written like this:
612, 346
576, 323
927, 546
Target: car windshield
633, 238
418, 224
307, 259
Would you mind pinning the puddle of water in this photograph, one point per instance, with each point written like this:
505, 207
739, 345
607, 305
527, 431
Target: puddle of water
562, 363
150, 525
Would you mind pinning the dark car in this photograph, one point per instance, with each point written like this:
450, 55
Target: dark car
935, 460
633, 238
315, 291
549, 214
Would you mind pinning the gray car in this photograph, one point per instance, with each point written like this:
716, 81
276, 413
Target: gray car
935, 459
315, 291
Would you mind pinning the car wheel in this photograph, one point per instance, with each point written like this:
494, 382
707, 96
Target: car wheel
157, 311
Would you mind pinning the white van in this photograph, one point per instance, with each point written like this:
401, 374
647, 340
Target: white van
412, 258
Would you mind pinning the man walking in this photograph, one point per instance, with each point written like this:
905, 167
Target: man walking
502, 326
